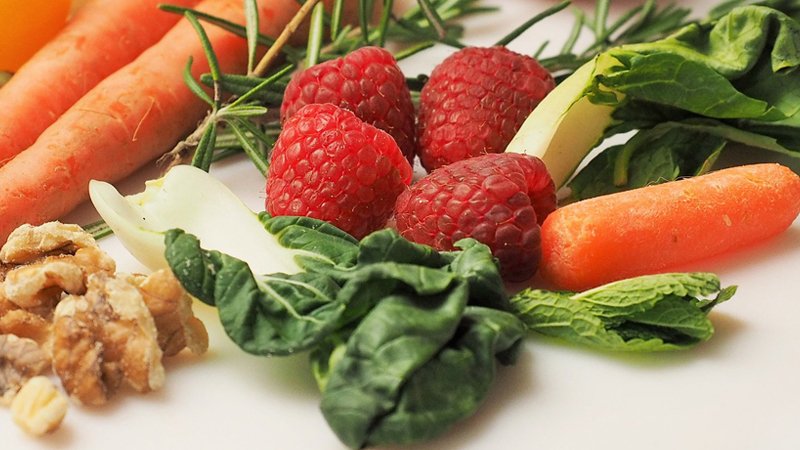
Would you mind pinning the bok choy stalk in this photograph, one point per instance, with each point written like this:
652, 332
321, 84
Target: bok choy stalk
404, 339
173, 201
733, 79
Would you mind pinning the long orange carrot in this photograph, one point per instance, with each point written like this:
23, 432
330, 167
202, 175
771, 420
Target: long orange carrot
128, 119
103, 36
647, 230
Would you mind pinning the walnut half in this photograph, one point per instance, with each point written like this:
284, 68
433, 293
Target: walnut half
104, 338
171, 308
42, 262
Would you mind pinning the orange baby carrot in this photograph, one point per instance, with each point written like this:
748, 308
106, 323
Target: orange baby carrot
103, 36
131, 117
647, 230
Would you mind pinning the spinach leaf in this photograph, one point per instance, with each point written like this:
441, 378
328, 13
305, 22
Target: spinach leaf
391, 385
278, 314
789, 7
453, 384
397, 337
323, 243
735, 78
648, 313
672, 79
275, 314
475, 263
387, 322
656, 155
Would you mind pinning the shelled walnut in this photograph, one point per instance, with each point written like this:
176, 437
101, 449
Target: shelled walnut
62, 305
43, 262
39, 407
39, 265
29, 243
25, 324
104, 338
171, 308
20, 360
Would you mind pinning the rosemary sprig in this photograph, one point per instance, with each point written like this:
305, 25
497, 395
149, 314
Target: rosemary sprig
246, 122
645, 22
98, 229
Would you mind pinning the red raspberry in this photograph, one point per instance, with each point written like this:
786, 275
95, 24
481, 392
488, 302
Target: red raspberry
498, 199
330, 165
475, 101
367, 82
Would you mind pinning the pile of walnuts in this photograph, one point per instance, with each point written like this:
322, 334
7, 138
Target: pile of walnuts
63, 306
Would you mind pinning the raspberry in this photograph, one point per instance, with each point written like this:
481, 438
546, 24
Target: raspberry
498, 199
366, 82
475, 101
328, 164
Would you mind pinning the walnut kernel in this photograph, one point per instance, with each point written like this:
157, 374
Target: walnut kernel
28, 243
103, 338
20, 359
39, 407
171, 308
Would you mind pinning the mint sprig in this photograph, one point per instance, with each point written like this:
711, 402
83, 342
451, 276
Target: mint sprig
647, 313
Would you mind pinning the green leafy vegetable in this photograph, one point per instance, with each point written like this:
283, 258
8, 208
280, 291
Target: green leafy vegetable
403, 340
413, 367
387, 321
734, 79
274, 314
663, 153
647, 313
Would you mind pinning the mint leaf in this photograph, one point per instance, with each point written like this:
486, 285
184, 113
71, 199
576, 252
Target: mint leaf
648, 313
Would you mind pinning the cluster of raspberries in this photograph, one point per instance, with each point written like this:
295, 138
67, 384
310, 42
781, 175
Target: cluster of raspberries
351, 133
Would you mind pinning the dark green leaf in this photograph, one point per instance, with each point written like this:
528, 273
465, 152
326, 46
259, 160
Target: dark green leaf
323, 242
672, 80
399, 335
191, 264
453, 383
653, 156
274, 314
734, 79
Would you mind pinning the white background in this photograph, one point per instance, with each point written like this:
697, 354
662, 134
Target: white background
741, 390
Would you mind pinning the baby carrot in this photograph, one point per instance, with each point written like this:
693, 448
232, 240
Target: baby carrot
131, 117
103, 36
647, 230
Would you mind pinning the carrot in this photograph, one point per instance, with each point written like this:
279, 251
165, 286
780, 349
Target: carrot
647, 230
103, 36
128, 119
